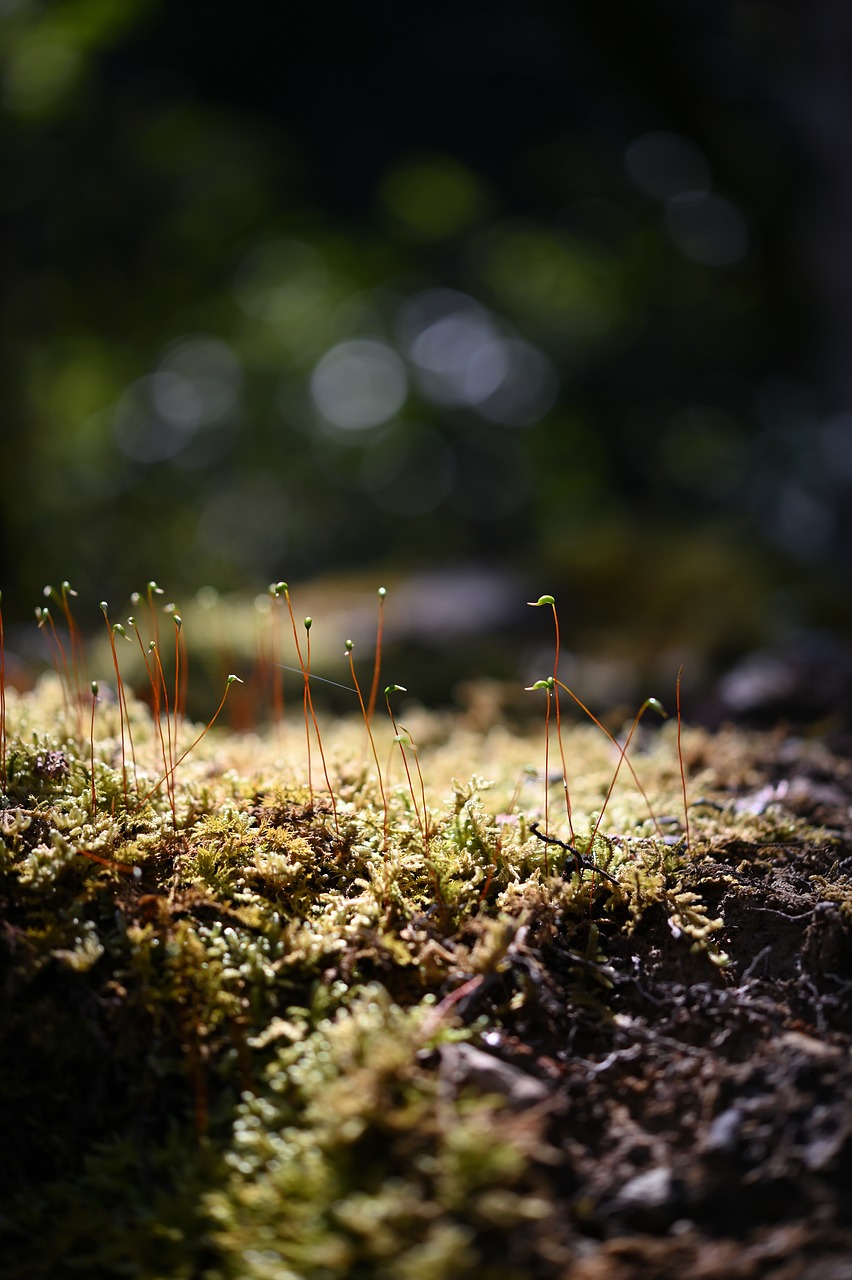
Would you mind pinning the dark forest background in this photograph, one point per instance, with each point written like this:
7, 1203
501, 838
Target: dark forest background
551, 293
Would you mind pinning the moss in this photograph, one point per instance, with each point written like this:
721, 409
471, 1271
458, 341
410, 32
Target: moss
227, 1004
348, 1161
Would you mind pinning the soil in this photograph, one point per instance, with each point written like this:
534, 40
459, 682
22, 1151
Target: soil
703, 1127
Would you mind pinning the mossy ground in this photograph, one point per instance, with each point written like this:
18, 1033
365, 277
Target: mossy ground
254, 1036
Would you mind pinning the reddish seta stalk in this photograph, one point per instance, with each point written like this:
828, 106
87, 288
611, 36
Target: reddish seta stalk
123, 716
401, 737
94, 687
168, 776
377, 664
680, 758
365, 714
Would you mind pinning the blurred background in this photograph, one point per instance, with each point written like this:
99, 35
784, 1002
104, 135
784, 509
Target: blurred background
477, 301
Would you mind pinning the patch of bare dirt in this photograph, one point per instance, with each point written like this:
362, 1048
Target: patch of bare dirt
700, 1117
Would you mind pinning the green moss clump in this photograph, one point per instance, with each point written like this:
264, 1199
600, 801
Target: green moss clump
227, 1004
353, 1159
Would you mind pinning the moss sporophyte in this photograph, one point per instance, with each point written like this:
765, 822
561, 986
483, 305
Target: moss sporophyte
244, 1003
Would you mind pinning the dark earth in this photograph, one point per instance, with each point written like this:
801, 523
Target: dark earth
706, 1128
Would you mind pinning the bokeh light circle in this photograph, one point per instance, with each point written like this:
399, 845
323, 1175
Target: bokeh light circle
359, 384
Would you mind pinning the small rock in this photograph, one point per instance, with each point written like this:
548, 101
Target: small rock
648, 1191
463, 1064
723, 1133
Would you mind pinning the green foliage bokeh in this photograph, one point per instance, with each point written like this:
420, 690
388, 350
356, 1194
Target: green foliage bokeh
206, 205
